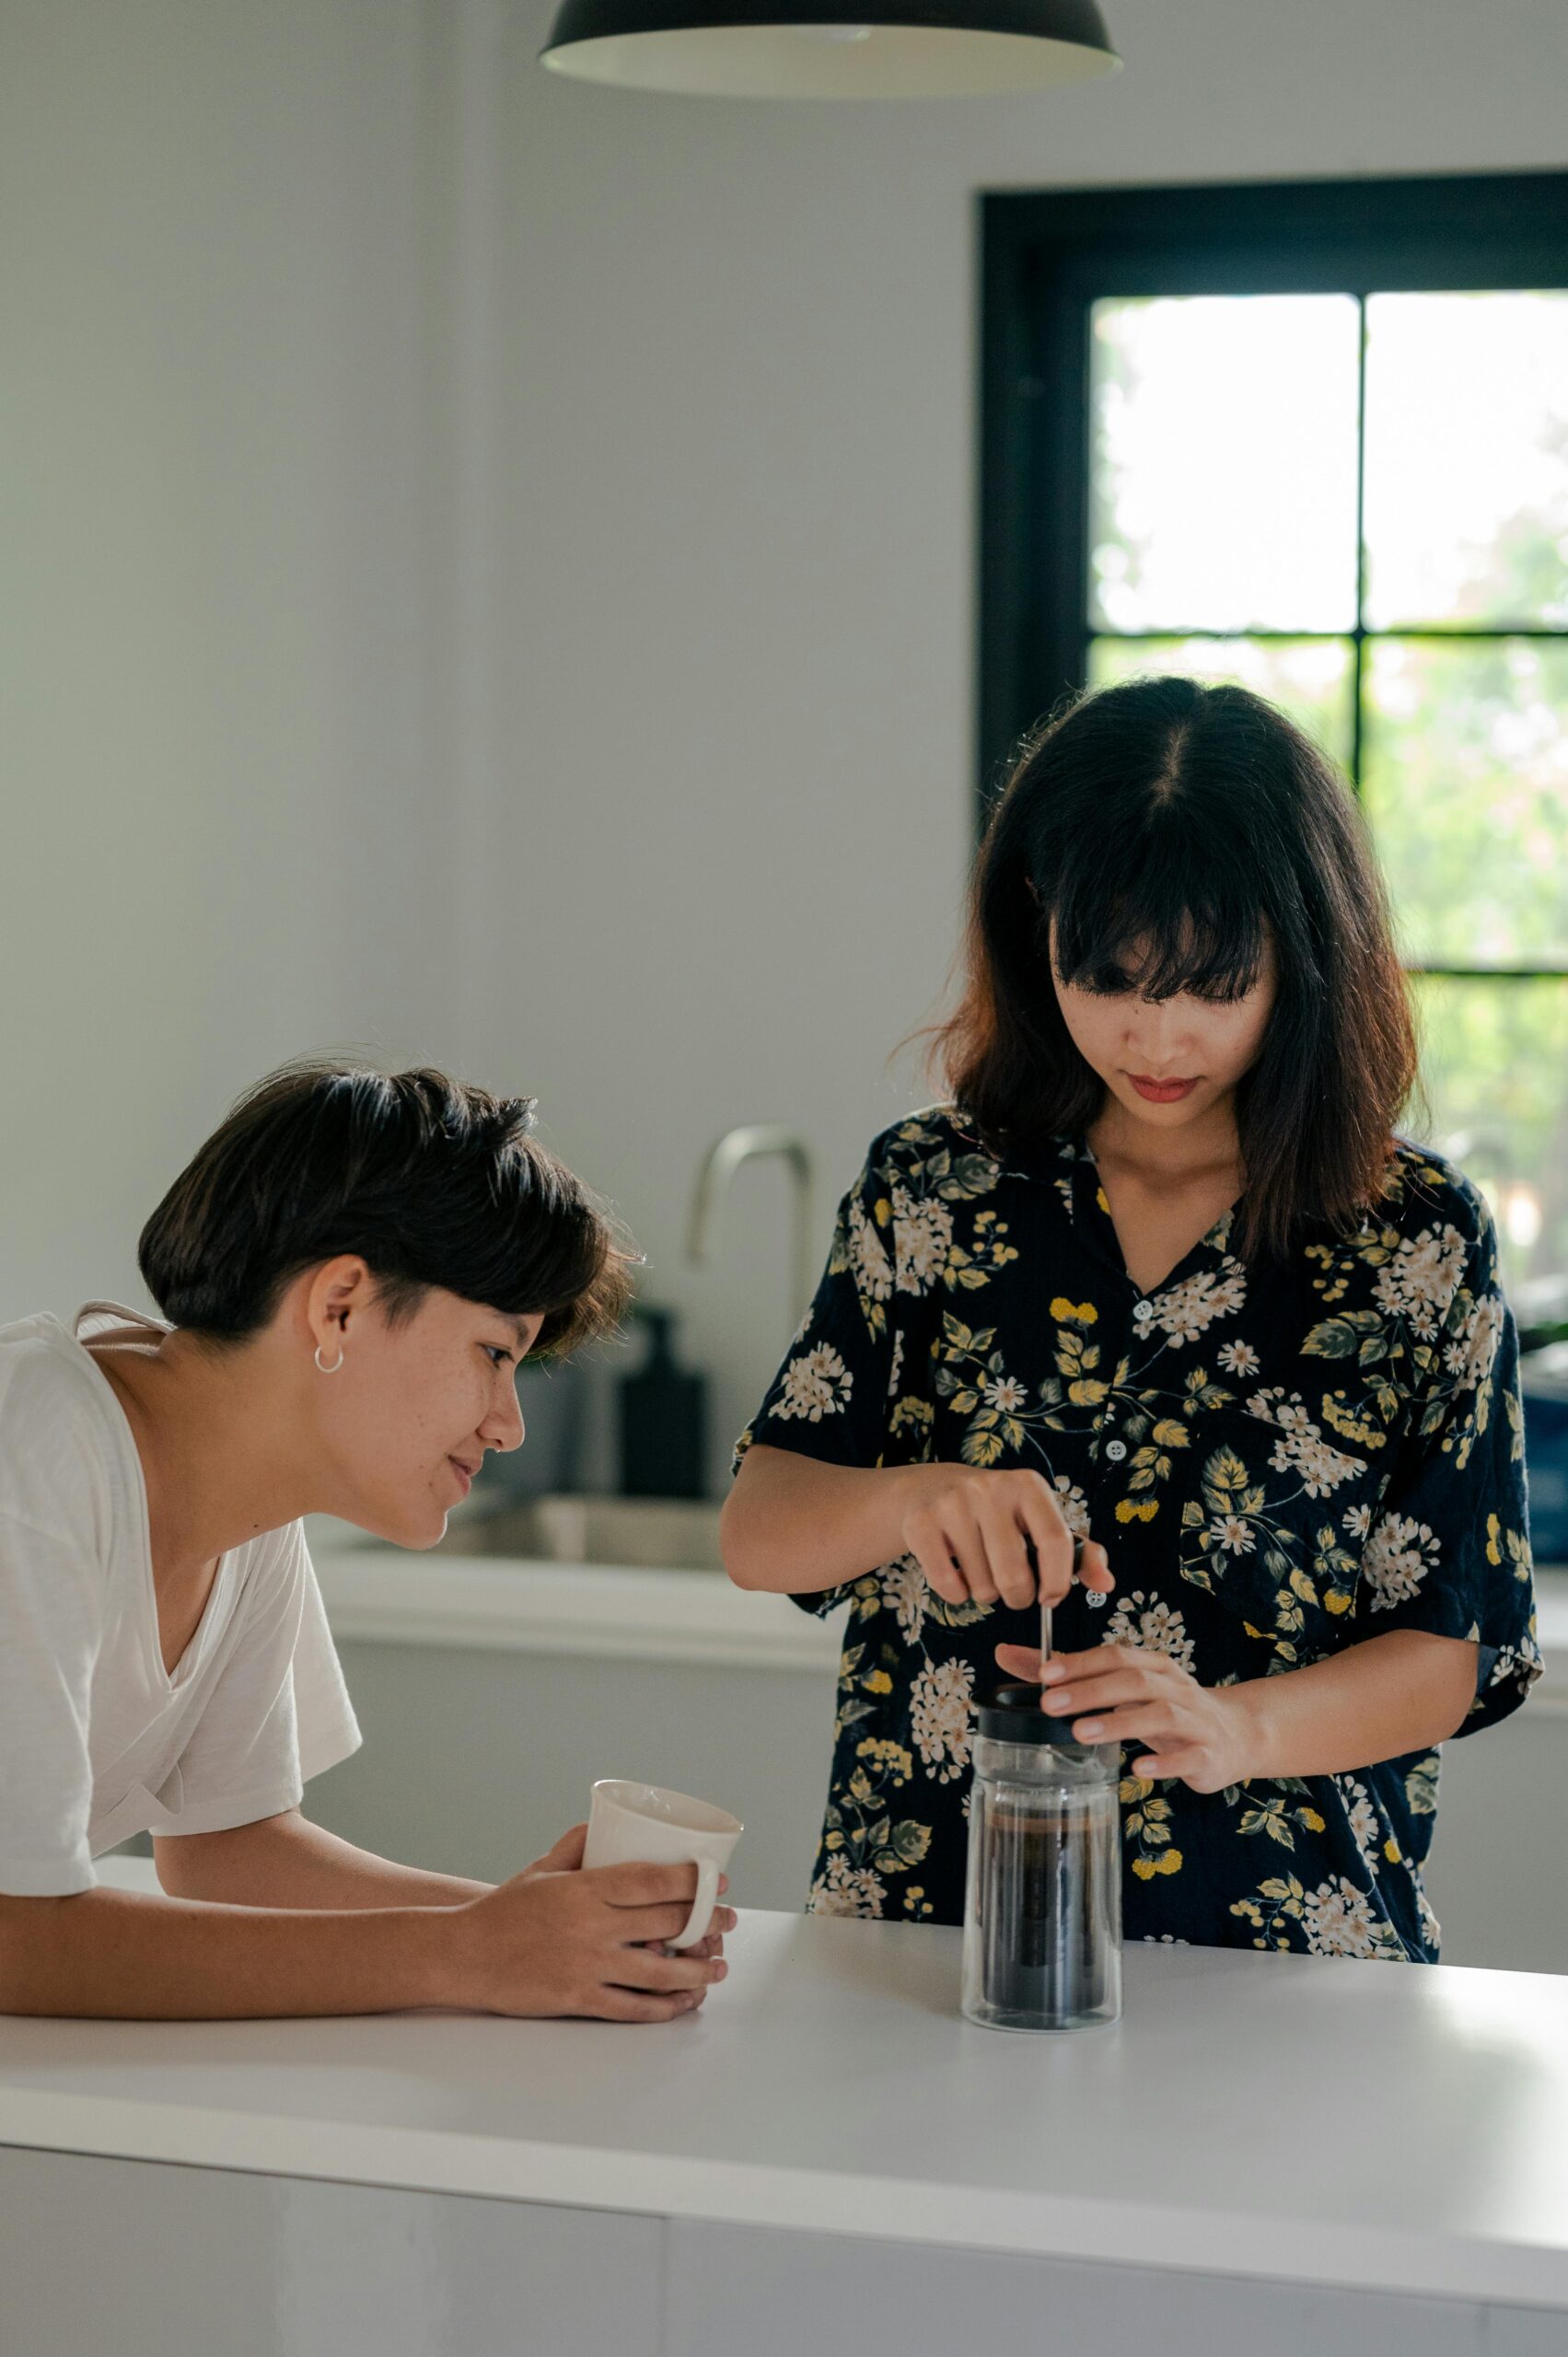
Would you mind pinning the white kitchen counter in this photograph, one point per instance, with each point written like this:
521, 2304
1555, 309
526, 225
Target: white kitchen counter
1390, 2127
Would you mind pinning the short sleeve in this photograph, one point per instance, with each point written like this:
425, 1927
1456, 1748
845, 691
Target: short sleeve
51, 1599
1450, 1549
833, 1397
279, 1713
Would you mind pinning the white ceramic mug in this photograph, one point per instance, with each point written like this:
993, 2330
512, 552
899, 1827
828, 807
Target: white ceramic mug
644, 1825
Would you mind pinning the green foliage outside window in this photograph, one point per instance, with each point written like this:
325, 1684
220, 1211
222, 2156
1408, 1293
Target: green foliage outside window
1361, 510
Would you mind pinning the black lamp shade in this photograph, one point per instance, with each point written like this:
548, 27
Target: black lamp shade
889, 49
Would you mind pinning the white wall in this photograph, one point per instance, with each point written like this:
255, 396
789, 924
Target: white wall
218, 673
489, 563
732, 653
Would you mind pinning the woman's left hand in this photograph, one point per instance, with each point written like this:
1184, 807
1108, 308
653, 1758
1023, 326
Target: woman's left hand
1124, 1694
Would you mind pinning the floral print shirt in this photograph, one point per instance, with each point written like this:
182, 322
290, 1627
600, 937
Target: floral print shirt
1281, 1459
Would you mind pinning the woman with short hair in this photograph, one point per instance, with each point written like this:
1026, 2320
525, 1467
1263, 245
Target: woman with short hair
350, 1272
1161, 1275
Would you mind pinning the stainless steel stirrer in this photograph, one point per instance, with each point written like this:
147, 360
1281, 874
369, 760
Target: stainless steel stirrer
1045, 1608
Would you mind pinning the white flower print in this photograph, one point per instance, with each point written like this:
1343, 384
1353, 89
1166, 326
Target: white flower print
1151, 1626
1398, 1555
1298, 1520
1234, 1533
1470, 1354
1188, 1309
1074, 1510
844, 1890
1361, 1818
1422, 1279
1519, 1665
1431, 1929
867, 1256
923, 1237
940, 1702
1337, 1920
817, 1385
1301, 1447
904, 1593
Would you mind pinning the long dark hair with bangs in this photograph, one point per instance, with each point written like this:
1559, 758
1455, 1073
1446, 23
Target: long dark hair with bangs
1163, 831
431, 1181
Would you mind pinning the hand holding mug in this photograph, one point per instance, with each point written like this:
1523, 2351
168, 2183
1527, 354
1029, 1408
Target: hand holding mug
646, 1822
556, 1944
566, 1856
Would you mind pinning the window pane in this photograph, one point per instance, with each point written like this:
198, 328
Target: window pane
1467, 459
1464, 774
1312, 680
1496, 1064
1223, 463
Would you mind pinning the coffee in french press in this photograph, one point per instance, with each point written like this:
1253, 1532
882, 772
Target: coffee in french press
1042, 1919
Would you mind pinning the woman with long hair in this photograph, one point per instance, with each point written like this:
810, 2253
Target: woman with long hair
350, 1271
1161, 1276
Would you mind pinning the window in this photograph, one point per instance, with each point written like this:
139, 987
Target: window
1316, 439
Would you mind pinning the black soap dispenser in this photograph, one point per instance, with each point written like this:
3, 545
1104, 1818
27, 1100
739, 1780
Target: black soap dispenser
663, 1419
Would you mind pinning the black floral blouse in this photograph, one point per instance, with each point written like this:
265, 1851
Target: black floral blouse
1281, 1460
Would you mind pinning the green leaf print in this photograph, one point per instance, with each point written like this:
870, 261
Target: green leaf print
1361, 1334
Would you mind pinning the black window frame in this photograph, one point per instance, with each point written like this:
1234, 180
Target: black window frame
1048, 256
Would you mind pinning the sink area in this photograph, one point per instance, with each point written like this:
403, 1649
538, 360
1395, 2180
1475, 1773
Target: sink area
650, 1534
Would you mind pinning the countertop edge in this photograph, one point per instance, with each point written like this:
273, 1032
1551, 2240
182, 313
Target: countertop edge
1189, 2241
381, 1595
377, 1596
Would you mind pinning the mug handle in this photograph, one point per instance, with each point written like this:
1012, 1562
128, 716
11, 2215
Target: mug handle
702, 1905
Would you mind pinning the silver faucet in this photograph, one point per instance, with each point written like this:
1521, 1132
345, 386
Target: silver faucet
751, 1143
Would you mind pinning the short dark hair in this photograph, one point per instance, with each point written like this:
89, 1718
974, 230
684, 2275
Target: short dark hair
1184, 825
432, 1182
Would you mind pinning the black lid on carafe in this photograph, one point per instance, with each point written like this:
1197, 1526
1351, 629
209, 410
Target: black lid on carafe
1012, 1715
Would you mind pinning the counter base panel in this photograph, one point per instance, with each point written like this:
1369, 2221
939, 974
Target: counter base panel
180, 2258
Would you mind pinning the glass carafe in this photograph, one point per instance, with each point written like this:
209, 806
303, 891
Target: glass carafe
1043, 1916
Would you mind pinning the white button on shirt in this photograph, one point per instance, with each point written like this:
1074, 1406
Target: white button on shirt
1116, 1450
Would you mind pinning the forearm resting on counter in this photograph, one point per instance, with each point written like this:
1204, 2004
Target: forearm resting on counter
286, 1861
1378, 1700
121, 1955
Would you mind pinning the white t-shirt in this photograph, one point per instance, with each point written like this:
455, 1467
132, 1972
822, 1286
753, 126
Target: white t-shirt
97, 1740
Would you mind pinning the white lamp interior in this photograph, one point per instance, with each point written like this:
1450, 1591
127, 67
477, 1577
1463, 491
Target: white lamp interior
819, 61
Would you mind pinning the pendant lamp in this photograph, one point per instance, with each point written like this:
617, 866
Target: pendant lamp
782, 49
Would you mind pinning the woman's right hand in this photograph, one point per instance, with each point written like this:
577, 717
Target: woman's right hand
549, 1944
973, 1532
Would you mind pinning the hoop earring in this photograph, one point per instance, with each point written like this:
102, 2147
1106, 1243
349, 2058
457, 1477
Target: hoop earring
321, 1363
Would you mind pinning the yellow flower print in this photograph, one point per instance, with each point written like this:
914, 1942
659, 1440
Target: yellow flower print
1074, 1313
1146, 1820
895, 1762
